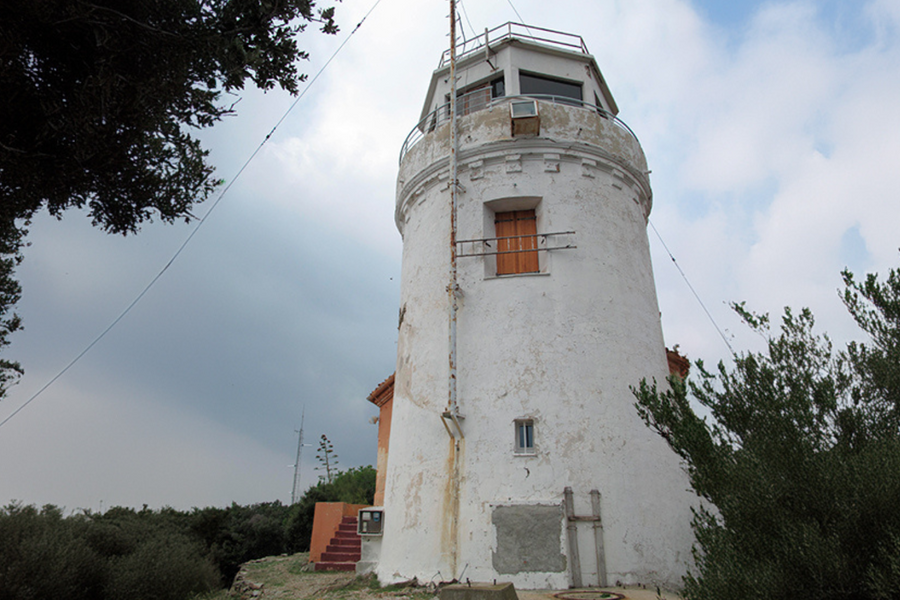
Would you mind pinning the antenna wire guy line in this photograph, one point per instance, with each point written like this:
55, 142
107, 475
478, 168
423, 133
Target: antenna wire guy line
693, 291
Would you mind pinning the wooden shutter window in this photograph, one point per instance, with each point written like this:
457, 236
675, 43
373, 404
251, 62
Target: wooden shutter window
517, 253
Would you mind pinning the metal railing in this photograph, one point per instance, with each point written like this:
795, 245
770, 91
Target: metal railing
549, 37
482, 246
480, 99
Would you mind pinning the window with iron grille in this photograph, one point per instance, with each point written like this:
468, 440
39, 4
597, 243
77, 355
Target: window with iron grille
477, 97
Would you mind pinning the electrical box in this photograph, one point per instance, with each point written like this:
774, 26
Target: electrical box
371, 521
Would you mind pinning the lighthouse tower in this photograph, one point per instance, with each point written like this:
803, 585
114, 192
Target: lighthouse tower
516, 453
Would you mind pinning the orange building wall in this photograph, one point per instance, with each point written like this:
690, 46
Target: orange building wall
327, 517
384, 437
383, 398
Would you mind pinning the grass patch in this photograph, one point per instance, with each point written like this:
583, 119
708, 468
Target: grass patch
299, 565
270, 571
364, 582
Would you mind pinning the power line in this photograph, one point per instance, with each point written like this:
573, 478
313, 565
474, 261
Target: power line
693, 291
466, 15
197, 227
521, 20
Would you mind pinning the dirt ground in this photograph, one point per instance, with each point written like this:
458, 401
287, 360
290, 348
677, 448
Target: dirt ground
289, 578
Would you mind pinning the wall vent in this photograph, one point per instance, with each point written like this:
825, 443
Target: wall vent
525, 117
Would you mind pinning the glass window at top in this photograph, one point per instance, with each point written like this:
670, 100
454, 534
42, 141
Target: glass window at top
539, 85
498, 88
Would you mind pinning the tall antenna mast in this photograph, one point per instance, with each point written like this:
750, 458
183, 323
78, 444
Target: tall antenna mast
452, 405
295, 493
452, 402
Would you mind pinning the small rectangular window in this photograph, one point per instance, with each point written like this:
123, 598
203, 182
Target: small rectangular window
525, 436
516, 233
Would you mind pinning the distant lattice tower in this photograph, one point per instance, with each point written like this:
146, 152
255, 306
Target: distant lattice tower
540, 472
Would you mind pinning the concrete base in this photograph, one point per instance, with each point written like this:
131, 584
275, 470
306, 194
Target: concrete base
479, 591
370, 554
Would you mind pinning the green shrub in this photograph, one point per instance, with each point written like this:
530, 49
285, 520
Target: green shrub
153, 555
43, 555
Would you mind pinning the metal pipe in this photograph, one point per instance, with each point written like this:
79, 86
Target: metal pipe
598, 538
572, 529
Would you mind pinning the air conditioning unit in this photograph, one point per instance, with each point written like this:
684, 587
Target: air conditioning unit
525, 118
371, 521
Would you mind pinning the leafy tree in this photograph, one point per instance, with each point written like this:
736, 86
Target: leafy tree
798, 464
99, 100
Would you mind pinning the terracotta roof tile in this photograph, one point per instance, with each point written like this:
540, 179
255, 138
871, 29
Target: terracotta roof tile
383, 393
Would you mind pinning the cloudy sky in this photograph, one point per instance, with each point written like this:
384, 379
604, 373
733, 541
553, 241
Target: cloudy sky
773, 133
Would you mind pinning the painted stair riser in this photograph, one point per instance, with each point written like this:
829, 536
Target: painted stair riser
331, 549
340, 557
354, 542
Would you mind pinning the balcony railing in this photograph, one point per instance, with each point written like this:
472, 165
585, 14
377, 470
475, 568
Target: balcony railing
480, 99
541, 242
547, 37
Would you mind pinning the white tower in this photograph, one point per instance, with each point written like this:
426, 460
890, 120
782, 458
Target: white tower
557, 319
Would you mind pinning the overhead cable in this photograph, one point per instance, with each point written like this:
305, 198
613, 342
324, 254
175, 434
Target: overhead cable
693, 291
521, 20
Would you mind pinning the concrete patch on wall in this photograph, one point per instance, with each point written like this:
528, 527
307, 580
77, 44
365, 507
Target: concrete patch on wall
528, 539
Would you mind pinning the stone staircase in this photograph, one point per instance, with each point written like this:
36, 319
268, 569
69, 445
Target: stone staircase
343, 551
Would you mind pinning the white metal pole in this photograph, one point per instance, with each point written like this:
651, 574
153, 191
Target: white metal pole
295, 492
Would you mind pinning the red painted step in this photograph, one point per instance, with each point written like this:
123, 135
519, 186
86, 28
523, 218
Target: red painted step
329, 557
345, 542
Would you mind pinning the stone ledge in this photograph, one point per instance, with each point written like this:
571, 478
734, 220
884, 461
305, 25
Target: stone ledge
479, 591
